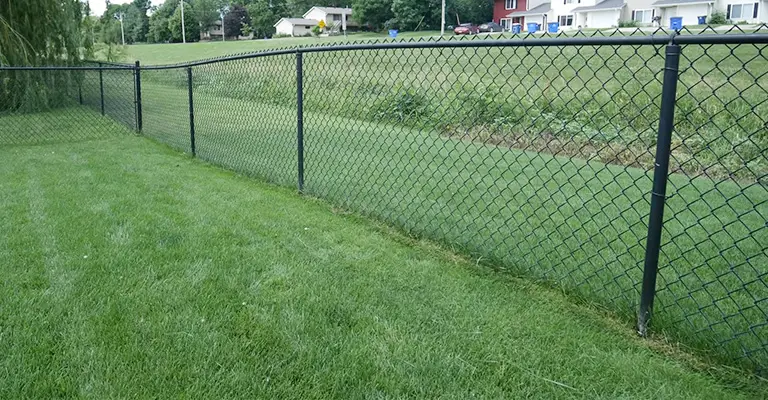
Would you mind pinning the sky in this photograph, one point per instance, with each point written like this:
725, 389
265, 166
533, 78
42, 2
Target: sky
98, 6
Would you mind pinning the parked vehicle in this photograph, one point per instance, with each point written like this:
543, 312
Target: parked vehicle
490, 27
466, 29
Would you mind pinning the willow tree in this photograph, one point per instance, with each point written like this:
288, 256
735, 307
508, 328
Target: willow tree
38, 32
34, 32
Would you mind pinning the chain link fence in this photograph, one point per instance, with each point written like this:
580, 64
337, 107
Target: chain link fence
535, 155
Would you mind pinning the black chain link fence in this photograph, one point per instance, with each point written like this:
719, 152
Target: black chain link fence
535, 155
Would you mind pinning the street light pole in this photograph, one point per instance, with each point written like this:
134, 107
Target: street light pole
183, 30
442, 25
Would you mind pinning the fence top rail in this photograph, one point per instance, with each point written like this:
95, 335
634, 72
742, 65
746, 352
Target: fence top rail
749, 38
65, 68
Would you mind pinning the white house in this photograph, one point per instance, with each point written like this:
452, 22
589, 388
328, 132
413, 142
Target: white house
295, 26
604, 14
334, 17
689, 10
608, 13
535, 12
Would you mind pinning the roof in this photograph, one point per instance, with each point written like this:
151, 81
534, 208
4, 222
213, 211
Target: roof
681, 2
541, 9
603, 5
298, 21
331, 10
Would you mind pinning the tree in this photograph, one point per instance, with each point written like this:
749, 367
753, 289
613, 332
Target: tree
139, 27
264, 14
29, 35
373, 13
191, 27
206, 13
159, 29
234, 20
471, 10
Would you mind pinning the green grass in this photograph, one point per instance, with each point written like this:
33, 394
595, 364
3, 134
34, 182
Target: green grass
439, 146
128, 270
579, 225
179, 52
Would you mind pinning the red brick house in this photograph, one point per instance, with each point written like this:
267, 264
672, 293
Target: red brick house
502, 8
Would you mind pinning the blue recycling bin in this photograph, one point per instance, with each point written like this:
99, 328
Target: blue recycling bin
517, 28
393, 33
553, 27
702, 20
676, 23
533, 27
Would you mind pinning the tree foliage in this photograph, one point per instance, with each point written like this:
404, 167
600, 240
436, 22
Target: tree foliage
191, 25
234, 20
30, 35
373, 13
422, 14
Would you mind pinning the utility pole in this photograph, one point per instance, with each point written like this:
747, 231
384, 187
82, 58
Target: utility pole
119, 17
442, 25
183, 29
223, 35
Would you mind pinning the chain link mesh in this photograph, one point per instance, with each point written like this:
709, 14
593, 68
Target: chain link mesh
36, 105
537, 159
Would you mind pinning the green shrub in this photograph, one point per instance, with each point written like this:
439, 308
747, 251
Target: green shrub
717, 18
628, 24
404, 105
316, 30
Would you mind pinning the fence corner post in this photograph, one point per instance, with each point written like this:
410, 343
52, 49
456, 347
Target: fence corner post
191, 113
101, 86
659, 192
139, 120
300, 117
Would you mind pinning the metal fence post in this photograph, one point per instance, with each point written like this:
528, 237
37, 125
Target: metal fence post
659, 193
300, 117
101, 87
191, 113
139, 121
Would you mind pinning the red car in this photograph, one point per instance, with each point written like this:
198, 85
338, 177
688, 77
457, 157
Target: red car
467, 29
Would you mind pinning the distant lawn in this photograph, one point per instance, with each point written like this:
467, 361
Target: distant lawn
178, 52
128, 270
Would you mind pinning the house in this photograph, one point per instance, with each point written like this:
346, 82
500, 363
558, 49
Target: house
572, 14
216, 32
502, 9
509, 12
334, 17
602, 14
295, 26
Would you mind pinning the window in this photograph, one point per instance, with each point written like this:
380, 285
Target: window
517, 20
742, 11
506, 23
571, 1
336, 17
510, 4
566, 20
643, 15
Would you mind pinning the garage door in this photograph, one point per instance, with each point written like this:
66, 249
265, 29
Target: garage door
602, 19
690, 13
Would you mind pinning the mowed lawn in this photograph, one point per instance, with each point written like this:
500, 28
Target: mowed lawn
579, 225
129, 270
179, 52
